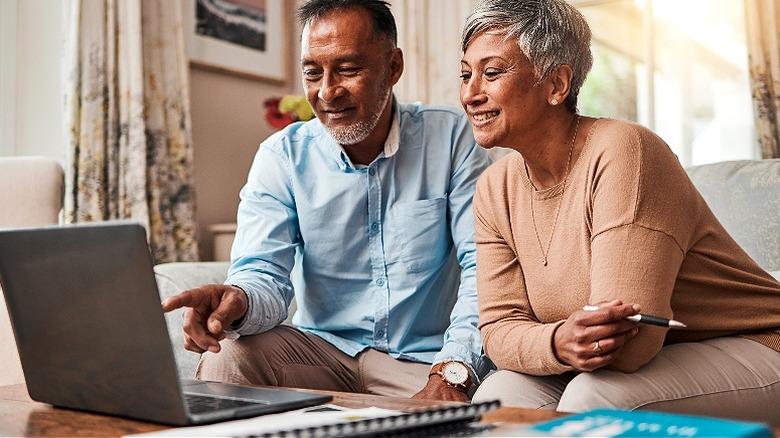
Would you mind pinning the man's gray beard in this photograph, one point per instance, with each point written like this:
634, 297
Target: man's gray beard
360, 131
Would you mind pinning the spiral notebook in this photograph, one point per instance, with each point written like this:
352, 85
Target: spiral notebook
334, 421
437, 421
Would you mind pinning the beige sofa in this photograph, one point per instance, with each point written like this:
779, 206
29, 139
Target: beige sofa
745, 195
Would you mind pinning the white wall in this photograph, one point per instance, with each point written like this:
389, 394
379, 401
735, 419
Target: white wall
7, 76
31, 102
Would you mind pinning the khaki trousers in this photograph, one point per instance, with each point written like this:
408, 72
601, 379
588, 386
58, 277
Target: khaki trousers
286, 356
726, 377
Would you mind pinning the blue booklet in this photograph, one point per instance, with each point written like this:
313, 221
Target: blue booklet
622, 423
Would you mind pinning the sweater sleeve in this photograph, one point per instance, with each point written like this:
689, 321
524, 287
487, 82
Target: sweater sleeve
643, 209
513, 338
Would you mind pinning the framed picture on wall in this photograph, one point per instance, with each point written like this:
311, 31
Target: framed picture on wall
246, 38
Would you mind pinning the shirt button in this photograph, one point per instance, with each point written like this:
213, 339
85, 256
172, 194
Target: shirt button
375, 226
380, 282
380, 333
371, 171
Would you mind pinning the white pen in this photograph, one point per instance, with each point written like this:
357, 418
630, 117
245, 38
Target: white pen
647, 319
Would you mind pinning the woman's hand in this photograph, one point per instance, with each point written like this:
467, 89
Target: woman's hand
591, 339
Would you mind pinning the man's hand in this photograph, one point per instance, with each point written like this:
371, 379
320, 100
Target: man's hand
210, 309
436, 389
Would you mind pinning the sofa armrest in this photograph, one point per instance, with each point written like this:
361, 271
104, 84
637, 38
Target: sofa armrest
176, 277
31, 191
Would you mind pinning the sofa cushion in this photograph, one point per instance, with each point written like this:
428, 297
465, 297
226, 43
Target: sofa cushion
745, 197
32, 191
176, 277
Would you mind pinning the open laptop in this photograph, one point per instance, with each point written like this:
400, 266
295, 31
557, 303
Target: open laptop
92, 336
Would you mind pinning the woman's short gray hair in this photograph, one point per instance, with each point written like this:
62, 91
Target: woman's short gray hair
550, 33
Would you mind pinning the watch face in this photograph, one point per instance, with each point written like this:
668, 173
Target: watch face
455, 373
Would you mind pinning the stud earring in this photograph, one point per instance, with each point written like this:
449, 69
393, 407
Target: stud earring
554, 102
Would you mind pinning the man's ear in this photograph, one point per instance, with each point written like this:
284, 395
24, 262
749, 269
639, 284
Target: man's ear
396, 65
560, 83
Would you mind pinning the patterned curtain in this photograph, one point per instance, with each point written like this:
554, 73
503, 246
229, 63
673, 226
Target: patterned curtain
763, 29
128, 115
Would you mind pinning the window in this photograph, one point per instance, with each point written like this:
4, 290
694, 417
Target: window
677, 66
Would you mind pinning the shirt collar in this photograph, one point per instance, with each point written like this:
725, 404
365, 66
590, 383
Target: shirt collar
393, 141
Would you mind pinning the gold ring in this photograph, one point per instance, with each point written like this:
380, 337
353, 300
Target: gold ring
597, 348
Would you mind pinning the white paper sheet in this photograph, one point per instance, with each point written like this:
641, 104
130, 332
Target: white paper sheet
276, 423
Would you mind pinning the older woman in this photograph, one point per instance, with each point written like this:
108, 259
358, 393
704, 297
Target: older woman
591, 222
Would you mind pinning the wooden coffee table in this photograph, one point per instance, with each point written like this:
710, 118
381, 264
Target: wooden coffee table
21, 416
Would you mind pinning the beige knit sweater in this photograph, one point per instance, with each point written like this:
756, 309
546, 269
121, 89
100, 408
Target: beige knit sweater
632, 227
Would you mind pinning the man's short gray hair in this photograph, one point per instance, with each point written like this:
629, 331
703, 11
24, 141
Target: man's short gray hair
550, 33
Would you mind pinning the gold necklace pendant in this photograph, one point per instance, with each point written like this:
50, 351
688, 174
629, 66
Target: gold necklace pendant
560, 201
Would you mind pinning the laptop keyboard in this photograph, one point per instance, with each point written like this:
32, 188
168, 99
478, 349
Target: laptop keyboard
198, 403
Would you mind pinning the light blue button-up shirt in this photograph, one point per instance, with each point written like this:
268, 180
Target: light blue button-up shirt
384, 254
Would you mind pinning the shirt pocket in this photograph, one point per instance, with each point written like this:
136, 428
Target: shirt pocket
422, 233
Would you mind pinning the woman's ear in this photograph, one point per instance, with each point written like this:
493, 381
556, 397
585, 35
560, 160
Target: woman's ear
559, 84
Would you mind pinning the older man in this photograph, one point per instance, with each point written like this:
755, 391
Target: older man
371, 202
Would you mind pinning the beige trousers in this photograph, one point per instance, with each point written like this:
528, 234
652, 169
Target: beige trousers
726, 377
286, 356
